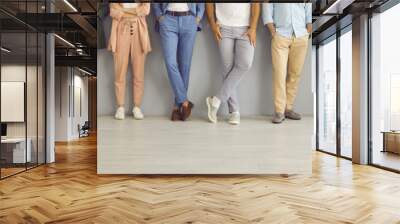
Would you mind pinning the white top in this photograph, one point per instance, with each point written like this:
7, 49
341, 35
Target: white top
233, 14
130, 5
178, 7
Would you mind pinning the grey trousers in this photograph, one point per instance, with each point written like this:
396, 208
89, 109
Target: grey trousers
237, 55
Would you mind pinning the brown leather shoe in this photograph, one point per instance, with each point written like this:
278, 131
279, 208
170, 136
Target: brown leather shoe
186, 111
176, 115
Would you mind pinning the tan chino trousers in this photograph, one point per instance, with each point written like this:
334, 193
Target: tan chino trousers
288, 55
129, 47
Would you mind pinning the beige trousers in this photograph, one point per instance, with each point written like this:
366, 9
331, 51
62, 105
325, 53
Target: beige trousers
129, 47
288, 55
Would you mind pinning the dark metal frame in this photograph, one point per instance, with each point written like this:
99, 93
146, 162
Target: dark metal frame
338, 96
369, 90
316, 96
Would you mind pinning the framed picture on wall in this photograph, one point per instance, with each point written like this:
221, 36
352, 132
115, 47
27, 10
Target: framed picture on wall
12, 101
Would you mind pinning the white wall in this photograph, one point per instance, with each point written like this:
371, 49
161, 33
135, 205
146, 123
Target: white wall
33, 127
68, 80
255, 89
79, 118
17, 73
61, 104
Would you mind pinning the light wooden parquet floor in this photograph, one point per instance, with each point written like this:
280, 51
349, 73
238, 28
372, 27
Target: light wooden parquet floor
69, 191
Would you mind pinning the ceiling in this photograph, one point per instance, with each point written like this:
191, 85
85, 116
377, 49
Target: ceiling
74, 22
332, 15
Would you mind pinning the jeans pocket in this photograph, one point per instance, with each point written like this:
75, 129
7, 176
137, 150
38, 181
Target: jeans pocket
194, 19
164, 19
193, 22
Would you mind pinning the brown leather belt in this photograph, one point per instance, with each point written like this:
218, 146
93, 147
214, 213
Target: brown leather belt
173, 13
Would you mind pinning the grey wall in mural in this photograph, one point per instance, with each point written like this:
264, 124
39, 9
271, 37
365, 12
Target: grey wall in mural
255, 89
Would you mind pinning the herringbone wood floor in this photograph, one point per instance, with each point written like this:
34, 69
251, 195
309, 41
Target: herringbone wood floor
69, 191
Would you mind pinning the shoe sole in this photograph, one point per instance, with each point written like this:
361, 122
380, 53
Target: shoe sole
280, 122
136, 117
209, 110
176, 119
296, 119
234, 122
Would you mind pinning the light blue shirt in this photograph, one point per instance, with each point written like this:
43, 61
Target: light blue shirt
290, 19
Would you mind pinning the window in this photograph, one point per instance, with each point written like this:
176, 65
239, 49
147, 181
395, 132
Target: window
346, 75
327, 97
334, 106
385, 90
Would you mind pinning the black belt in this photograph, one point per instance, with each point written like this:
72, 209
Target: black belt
173, 13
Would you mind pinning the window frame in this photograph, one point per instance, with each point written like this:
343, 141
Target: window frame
334, 37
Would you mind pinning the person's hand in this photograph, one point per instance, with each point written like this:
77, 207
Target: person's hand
272, 29
309, 28
161, 18
217, 32
252, 34
273, 33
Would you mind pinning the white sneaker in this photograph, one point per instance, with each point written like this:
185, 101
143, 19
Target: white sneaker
213, 104
234, 118
137, 113
120, 113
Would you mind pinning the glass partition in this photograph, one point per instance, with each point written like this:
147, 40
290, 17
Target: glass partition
41, 97
31, 100
22, 89
14, 145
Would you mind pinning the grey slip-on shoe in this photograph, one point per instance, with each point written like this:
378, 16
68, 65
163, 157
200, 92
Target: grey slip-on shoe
278, 118
290, 114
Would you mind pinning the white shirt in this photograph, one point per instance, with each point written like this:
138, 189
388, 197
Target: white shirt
178, 7
233, 14
130, 5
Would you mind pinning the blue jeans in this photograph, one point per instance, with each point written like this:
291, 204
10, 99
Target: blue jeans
178, 34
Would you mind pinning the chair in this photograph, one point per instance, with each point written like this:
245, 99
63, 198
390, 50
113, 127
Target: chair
84, 130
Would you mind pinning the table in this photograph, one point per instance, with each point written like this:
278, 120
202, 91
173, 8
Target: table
16, 148
391, 141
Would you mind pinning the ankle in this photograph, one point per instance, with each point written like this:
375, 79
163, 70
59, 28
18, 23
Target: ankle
185, 104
